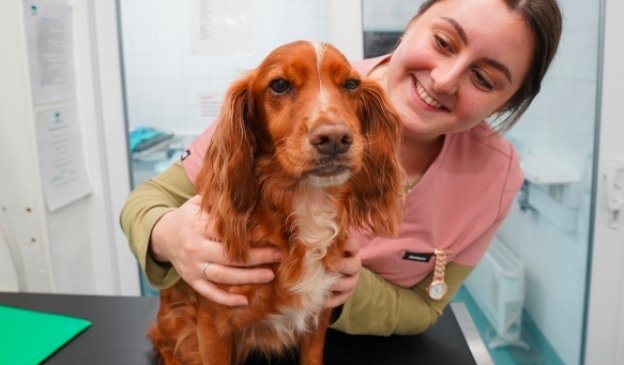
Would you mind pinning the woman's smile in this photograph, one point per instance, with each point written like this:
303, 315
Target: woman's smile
425, 97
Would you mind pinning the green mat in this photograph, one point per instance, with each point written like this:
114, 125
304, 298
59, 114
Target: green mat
28, 337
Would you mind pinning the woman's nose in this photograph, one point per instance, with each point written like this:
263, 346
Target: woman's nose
446, 77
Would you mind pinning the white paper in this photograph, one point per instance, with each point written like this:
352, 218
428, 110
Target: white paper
50, 50
61, 156
222, 27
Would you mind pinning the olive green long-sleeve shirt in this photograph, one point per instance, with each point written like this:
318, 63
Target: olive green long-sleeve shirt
377, 307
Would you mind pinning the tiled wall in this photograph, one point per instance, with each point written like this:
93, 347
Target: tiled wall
169, 88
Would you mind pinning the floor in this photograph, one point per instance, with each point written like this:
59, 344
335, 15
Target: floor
539, 351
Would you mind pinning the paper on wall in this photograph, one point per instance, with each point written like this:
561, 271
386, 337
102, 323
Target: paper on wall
50, 50
221, 27
61, 156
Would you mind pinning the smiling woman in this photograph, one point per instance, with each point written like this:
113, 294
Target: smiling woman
445, 76
458, 63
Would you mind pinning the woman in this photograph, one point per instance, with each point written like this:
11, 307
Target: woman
458, 63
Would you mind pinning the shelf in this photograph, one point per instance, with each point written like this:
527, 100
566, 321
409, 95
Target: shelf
541, 171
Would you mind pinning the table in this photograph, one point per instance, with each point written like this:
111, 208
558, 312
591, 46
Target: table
118, 335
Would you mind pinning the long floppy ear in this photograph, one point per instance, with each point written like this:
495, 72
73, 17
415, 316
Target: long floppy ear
226, 180
377, 198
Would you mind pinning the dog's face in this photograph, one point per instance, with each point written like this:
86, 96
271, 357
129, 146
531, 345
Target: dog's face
304, 116
306, 99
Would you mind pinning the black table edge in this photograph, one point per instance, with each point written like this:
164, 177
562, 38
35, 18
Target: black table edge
475, 343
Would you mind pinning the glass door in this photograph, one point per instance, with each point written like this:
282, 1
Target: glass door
528, 294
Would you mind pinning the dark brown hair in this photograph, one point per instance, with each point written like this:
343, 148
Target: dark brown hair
544, 19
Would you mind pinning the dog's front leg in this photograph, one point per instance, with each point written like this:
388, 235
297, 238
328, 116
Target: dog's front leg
313, 342
214, 349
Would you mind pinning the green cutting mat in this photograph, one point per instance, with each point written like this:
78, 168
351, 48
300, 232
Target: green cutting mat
29, 337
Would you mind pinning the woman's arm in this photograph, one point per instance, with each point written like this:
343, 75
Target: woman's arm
143, 208
168, 234
381, 308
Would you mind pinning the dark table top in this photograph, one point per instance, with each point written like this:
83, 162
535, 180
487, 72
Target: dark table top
118, 335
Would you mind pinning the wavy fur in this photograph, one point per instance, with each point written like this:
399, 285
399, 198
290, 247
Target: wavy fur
269, 178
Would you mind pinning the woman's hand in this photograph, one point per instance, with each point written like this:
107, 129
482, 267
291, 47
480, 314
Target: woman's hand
349, 266
182, 237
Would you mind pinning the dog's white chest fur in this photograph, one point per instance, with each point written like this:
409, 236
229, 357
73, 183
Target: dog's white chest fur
314, 220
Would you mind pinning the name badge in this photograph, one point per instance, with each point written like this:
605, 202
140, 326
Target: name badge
415, 256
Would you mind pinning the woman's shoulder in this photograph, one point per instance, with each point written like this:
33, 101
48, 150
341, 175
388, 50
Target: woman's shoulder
366, 65
193, 155
483, 136
491, 153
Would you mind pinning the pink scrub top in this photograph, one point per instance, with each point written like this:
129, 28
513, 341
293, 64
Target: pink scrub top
458, 205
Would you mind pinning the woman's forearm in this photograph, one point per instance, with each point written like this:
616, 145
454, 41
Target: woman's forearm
381, 308
144, 207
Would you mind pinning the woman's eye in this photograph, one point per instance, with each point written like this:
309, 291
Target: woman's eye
442, 44
351, 84
280, 86
482, 81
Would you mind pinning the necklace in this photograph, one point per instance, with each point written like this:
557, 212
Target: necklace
409, 185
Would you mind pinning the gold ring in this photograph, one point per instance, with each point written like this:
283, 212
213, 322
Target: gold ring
203, 272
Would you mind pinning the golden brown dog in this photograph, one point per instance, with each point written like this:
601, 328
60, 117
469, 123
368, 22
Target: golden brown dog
304, 149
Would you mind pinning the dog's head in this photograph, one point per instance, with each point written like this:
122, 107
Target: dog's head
319, 123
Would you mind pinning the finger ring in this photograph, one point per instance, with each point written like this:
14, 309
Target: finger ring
203, 272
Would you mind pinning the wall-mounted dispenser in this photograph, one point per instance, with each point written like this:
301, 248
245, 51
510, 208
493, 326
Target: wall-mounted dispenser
615, 192
550, 191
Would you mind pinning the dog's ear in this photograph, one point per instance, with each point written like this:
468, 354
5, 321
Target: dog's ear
377, 198
226, 180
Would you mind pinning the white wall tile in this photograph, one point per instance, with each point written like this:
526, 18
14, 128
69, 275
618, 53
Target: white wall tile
157, 50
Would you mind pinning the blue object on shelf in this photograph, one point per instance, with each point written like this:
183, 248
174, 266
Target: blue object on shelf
143, 138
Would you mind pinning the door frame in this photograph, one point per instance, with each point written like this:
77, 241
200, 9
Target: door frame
605, 303
107, 81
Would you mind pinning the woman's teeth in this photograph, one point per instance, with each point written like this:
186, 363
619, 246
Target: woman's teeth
426, 97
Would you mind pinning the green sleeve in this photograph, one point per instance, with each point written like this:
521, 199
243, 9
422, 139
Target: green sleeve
381, 308
144, 207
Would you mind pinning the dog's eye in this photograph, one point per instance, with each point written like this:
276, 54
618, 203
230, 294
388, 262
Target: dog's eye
280, 86
351, 84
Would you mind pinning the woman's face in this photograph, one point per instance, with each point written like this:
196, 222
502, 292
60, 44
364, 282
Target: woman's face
458, 63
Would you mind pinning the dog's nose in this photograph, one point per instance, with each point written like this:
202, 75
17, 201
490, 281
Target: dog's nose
331, 139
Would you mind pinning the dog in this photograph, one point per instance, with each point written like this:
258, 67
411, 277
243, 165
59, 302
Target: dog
304, 150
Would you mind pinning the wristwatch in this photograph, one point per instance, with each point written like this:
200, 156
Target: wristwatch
437, 288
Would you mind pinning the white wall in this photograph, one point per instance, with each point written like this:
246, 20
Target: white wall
78, 248
20, 193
